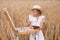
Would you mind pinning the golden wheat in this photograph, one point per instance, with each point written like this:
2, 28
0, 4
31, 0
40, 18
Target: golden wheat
19, 10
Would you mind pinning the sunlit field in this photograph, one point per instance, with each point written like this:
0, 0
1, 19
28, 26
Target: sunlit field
19, 11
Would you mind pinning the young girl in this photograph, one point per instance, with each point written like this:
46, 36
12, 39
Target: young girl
36, 21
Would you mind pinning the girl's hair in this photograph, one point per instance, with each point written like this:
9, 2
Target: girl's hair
39, 12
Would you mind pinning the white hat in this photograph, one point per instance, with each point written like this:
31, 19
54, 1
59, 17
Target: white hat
36, 7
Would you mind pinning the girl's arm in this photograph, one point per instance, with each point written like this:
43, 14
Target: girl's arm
41, 24
29, 23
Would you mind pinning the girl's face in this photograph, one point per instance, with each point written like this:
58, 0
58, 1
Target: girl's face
35, 12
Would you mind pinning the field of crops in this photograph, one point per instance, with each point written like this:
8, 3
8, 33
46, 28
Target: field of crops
19, 11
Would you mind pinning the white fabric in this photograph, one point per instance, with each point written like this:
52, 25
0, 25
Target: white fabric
39, 35
34, 20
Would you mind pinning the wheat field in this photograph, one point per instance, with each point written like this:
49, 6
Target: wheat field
19, 11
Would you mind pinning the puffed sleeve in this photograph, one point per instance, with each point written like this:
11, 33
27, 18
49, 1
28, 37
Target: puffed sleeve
43, 19
30, 18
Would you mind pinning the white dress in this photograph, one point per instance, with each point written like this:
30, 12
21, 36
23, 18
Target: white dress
39, 35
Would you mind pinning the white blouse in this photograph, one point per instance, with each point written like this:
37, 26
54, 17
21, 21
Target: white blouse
34, 21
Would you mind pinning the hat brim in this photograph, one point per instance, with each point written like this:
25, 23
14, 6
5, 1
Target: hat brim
35, 9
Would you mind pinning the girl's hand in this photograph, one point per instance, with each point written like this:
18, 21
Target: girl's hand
31, 27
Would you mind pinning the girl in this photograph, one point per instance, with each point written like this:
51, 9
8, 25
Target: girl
36, 21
